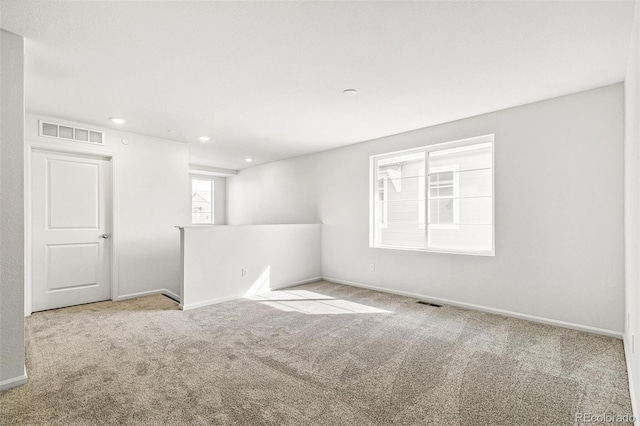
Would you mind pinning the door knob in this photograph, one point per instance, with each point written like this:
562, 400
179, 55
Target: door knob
105, 236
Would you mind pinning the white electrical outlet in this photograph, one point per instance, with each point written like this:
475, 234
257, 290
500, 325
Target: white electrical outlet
372, 267
633, 344
244, 272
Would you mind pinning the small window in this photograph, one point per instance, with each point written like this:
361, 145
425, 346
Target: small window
95, 137
49, 129
65, 132
435, 198
82, 135
70, 133
202, 190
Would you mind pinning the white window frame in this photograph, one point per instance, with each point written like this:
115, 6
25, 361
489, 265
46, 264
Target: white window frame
193, 176
373, 194
422, 204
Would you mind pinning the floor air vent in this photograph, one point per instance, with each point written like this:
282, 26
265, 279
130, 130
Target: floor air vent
422, 302
60, 131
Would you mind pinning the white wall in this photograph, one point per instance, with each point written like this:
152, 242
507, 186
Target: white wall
273, 256
632, 209
559, 212
12, 371
152, 196
220, 200
281, 192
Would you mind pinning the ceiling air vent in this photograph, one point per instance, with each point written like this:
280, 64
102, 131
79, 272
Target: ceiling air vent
77, 134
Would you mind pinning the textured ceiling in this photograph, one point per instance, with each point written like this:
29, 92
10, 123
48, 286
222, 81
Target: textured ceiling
265, 79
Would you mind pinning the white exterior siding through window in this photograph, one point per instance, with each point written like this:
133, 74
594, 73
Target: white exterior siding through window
435, 198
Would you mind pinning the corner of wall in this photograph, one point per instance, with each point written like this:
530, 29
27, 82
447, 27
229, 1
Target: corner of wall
632, 211
632, 392
12, 355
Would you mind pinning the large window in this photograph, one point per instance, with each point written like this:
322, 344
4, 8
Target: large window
435, 198
201, 200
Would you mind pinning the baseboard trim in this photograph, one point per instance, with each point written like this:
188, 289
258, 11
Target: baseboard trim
533, 318
632, 393
208, 302
164, 291
14, 381
307, 281
240, 296
171, 295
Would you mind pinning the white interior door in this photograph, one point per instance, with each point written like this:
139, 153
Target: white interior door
71, 229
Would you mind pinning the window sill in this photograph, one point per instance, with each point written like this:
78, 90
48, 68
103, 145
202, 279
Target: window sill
487, 253
454, 227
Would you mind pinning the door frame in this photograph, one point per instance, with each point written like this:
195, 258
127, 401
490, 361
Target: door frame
28, 242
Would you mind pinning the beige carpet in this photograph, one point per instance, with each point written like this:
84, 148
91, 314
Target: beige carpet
320, 354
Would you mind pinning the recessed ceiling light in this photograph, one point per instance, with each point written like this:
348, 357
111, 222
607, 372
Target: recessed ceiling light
118, 120
350, 92
248, 159
204, 138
